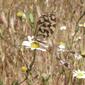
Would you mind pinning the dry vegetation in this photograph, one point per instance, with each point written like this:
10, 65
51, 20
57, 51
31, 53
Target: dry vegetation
46, 68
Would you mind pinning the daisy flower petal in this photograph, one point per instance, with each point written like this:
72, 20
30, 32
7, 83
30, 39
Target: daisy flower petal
30, 38
26, 43
42, 49
63, 28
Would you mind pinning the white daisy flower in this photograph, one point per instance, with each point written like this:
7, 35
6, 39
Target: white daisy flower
61, 47
79, 74
63, 28
32, 44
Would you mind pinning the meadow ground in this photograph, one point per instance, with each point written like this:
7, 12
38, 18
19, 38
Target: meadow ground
62, 62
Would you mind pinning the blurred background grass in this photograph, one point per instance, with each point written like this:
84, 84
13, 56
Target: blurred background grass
13, 31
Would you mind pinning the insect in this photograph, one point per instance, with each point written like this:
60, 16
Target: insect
46, 25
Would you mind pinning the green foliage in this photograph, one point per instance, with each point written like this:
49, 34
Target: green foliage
45, 78
1, 83
29, 82
15, 82
31, 17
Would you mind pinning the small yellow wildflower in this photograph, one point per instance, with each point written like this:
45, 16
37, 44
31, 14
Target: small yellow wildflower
24, 69
21, 14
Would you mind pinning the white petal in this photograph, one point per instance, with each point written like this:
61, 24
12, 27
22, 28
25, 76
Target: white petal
33, 48
60, 50
30, 38
38, 49
26, 43
42, 49
63, 28
61, 46
43, 45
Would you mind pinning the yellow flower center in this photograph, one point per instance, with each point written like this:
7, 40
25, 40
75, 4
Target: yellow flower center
24, 69
35, 45
80, 75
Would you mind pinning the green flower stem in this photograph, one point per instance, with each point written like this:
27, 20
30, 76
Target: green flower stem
30, 67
